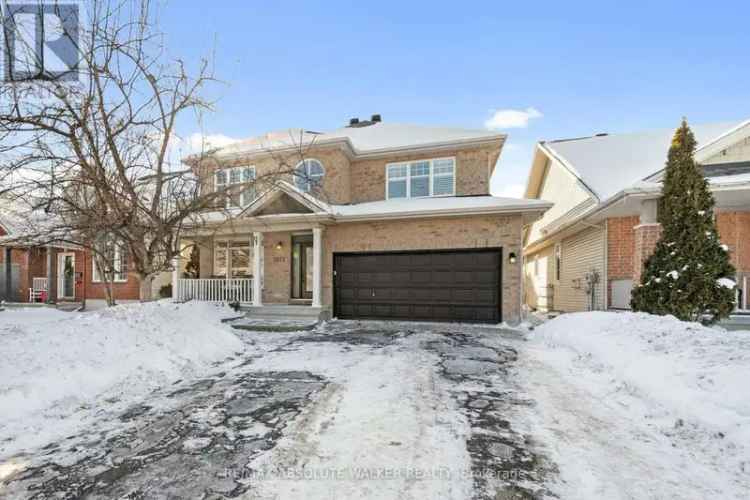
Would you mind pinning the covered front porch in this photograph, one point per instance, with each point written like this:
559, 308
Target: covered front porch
256, 269
41, 274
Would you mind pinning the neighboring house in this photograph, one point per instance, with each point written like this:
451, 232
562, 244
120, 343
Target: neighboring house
380, 220
27, 270
604, 219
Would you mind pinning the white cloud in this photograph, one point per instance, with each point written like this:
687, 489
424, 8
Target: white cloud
511, 118
511, 191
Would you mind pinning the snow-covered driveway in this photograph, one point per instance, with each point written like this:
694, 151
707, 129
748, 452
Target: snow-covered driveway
350, 410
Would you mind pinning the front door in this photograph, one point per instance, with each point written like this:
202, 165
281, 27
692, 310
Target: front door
66, 276
302, 267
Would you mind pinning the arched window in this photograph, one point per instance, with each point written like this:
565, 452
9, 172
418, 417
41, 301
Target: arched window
308, 175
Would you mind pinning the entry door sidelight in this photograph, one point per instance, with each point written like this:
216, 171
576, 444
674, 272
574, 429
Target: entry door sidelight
66, 269
302, 267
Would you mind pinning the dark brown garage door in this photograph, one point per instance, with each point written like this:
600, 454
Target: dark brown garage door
456, 285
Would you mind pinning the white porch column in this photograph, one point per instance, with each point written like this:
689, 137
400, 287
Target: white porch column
176, 274
317, 295
257, 269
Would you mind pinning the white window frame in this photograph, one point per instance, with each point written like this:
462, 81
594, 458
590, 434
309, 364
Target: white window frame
408, 165
120, 276
228, 172
319, 182
227, 246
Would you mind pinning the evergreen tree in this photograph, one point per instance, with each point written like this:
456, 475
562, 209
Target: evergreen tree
689, 275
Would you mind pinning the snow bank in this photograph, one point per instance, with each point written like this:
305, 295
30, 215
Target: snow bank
639, 406
700, 373
55, 363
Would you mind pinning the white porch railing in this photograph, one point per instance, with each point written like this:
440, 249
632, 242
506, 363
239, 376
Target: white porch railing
215, 290
39, 284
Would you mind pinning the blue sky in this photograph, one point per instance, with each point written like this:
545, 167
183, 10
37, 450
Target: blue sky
575, 68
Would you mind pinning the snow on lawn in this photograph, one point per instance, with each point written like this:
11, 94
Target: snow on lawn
637, 406
57, 366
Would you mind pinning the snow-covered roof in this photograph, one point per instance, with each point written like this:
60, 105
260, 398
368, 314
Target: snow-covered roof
437, 206
371, 139
393, 209
607, 164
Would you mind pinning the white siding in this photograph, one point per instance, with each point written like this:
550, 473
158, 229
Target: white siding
564, 190
538, 274
581, 254
737, 152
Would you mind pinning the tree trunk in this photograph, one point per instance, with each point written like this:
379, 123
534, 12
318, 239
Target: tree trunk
146, 285
106, 280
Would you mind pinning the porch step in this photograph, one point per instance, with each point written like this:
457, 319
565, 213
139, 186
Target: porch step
285, 311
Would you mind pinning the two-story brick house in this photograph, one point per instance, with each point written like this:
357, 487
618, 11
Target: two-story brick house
373, 220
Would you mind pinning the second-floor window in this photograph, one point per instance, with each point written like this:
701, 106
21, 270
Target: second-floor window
421, 178
238, 183
308, 175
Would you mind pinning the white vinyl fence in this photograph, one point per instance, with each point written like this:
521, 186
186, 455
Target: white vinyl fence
215, 290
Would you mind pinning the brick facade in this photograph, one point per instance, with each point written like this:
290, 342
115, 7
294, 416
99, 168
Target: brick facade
473, 170
630, 244
277, 279
620, 250
32, 263
734, 231
646, 237
358, 181
432, 234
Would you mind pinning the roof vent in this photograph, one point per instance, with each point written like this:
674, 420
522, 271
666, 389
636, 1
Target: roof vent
376, 118
353, 121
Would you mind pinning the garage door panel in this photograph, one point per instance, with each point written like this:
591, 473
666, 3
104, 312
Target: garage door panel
444, 285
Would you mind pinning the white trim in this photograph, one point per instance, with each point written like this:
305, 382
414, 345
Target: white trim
430, 177
351, 152
315, 205
95, 278
258, 277
61, 275
744, 306
724, 141
227, 244
317, 292
307, 173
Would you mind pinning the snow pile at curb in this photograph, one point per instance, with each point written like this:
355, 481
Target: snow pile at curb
631, 395
699, 373
56, 363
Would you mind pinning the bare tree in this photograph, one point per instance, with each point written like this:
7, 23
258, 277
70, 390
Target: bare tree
96, 156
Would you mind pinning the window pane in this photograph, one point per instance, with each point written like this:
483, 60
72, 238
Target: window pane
248, 195
220, 261
395, 171
248, 174
235, 176
221, 178
442, 167
420, 186
420, 168
235, 198
240, 261
300, 178
442, 184
314, 168
397, 189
